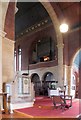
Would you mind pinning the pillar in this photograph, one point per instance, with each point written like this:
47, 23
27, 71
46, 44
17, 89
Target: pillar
2, 35
8, 60
60, 64
69, 79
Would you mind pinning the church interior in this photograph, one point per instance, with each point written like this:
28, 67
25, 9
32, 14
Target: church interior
40, 57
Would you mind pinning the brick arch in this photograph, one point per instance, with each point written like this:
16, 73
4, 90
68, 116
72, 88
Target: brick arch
11, 13
47, 5
74, 56
9, 21
75, 73
54, 19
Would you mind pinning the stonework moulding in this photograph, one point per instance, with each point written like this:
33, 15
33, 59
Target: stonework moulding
2, 33
10, 41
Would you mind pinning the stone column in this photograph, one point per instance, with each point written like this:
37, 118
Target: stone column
8, 64
60, 64
2, 35
69, 79
8, 60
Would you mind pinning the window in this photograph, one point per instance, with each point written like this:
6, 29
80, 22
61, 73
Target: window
19, 55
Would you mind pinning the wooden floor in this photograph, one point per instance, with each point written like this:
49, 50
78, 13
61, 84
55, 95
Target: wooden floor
23, 116
14, 115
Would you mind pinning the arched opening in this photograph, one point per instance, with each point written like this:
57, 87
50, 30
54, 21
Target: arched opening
37, 83
75, 74
55, 24
48, 82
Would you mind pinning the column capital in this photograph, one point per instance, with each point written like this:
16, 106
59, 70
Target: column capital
2, 33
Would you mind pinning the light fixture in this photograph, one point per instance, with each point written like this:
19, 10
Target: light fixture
63, 28
46, 58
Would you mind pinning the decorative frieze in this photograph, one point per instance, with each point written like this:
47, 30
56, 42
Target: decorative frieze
35, 27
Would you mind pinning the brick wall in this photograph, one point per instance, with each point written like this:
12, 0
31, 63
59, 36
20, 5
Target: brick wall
71, 45
9, 26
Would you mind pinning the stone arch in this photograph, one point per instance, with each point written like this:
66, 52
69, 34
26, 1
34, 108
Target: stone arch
34, 74
47, 5
74, 56
3, 12
54, 19
75, 75
37, 83
48, 82
60, 44
47, 73
9, 26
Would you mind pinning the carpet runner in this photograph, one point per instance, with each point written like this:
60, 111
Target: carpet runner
43, 108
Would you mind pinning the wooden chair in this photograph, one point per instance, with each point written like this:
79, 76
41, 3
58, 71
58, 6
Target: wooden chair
58, 102
66, 98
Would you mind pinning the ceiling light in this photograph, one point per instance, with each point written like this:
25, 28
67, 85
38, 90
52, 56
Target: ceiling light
63, 28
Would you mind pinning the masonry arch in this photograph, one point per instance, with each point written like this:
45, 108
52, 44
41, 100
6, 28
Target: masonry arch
3, 12
75, 66
60, 45
37, 83
50, 11
56, 24
48, 82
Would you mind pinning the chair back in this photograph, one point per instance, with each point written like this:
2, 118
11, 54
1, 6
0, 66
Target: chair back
57, 100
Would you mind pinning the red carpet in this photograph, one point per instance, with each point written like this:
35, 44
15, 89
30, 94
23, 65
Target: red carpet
44, 108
